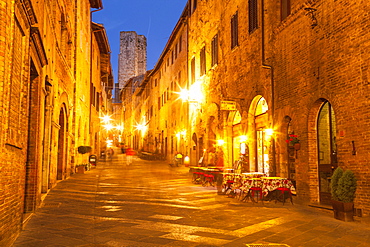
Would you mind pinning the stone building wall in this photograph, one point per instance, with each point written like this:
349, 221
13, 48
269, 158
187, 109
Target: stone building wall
284, 74
321, 58
14, 93
132, 56
168, 122
43, 62
296, 64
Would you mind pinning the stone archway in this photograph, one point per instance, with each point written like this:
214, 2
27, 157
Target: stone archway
327, 150
321, 150
261, 144
62, 143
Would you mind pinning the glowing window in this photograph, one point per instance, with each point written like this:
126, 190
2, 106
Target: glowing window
261, 107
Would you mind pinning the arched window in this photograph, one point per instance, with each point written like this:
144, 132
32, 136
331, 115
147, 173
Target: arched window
327, 156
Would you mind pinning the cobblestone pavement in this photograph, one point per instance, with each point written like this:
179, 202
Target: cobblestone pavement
153, 204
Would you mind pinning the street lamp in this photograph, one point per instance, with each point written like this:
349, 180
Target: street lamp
220, 142
106, 119
194, 95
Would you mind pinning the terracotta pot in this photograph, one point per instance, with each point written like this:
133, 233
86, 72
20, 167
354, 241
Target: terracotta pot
343, 210
81, 169
297, 146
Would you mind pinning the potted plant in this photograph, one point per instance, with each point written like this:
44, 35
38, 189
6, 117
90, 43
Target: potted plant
293, 141
343, 188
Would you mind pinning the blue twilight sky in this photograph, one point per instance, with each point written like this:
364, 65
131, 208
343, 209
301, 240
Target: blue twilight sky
155, 19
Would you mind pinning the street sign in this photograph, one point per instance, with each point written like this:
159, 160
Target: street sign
228, 105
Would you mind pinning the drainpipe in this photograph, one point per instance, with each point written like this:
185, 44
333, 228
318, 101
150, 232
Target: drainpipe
265, 65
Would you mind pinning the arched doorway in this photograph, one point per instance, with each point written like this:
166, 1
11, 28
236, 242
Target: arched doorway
262, 137
61, 143
327, 150
291, 152
240, 150
47, 142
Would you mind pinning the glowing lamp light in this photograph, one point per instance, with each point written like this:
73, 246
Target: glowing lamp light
119, 127
106, 118
195, 92
141, 127
186, 161
243, 138
108, 126
181, 133
184, 95
109, 143
220, 142
193, 95
269, 132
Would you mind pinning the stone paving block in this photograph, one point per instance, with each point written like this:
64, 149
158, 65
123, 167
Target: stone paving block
172, 218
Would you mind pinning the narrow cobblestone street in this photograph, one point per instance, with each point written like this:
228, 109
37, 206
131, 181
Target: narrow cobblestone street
153, 204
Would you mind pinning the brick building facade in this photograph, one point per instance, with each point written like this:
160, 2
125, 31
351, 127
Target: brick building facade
270, 72
46, 108
148, 101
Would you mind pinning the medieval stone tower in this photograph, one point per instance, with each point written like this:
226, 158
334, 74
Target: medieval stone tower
132, 56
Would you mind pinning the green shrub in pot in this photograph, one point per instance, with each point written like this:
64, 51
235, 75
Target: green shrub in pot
343, 188
347, 184
338, 173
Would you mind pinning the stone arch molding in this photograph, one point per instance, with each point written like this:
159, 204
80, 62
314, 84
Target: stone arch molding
313, 163
63, 101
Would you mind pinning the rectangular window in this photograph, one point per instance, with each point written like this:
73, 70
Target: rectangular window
159, 103
180, 43
176, 49
234, 30
172, 57
193, 5
179, 78
214, 50
97, 101
253, 15
17, 89
285, 9
203, 68
192, 68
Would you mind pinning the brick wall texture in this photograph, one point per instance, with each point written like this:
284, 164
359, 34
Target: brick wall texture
45, 84
311, 70
313, 56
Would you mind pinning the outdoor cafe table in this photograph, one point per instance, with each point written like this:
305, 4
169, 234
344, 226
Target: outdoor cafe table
272, 183
248, 183
266, 184
230, 179
253, 174
200, 173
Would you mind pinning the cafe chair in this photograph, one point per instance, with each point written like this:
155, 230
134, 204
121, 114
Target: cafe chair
197, 177
258, 191
208, 178
228, 188
283, 193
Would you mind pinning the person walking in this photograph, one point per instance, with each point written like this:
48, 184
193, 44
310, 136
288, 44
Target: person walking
129, 153
110, 153
178, 159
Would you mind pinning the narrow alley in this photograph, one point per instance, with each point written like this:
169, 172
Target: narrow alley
153, 204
